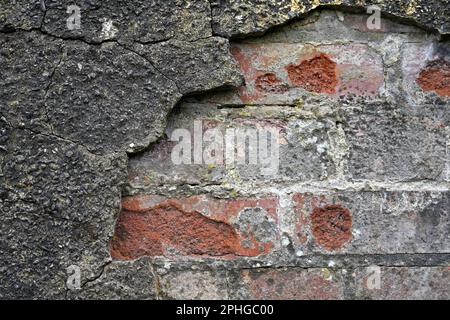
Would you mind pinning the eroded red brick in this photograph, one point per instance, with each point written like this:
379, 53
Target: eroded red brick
436, 77
278, 73
331, 226
168, 225
269, 82
195, 226
317, 74
243, 61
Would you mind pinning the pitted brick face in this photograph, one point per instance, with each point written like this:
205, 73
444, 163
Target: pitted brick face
168, 225
195, 226
269, 82
280, 68
331, 226
436, 77
316, 75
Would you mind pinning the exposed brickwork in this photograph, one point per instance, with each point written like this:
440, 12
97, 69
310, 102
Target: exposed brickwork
270, 83
317, 74
398, 283
277, 73
364, 222
351, 202
196, 226
362, 179
436, 77
295, 284
168, 227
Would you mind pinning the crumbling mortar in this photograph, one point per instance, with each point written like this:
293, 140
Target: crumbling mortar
248, 189
227, 284
315, 261
157, 280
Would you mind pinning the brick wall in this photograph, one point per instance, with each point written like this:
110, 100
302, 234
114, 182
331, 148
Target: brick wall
361, 191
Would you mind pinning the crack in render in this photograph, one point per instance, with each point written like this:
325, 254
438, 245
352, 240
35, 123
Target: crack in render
46, 110
50, 83
98, 276
43, 6
153, 65
151, 42
163, 41
58, 137
50, 35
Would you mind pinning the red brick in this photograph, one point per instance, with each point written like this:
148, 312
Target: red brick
370, 222
331, 226
280, 73
424, 69
436, 77
269, 82
317, 74
195, 226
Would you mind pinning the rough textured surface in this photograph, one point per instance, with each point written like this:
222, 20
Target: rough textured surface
317, 74
237, 17
196, 226
120, 281
436, 77
364, 136
132, 21
331, 226
48, 221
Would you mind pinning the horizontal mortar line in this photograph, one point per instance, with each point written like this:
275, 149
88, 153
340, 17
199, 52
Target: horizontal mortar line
221, 106
304, 187
363, 186
321, 44
261, 105
342, 261
353, 266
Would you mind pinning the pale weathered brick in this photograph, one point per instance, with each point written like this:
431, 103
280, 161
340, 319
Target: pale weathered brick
288, 283
400, 283
372, 222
